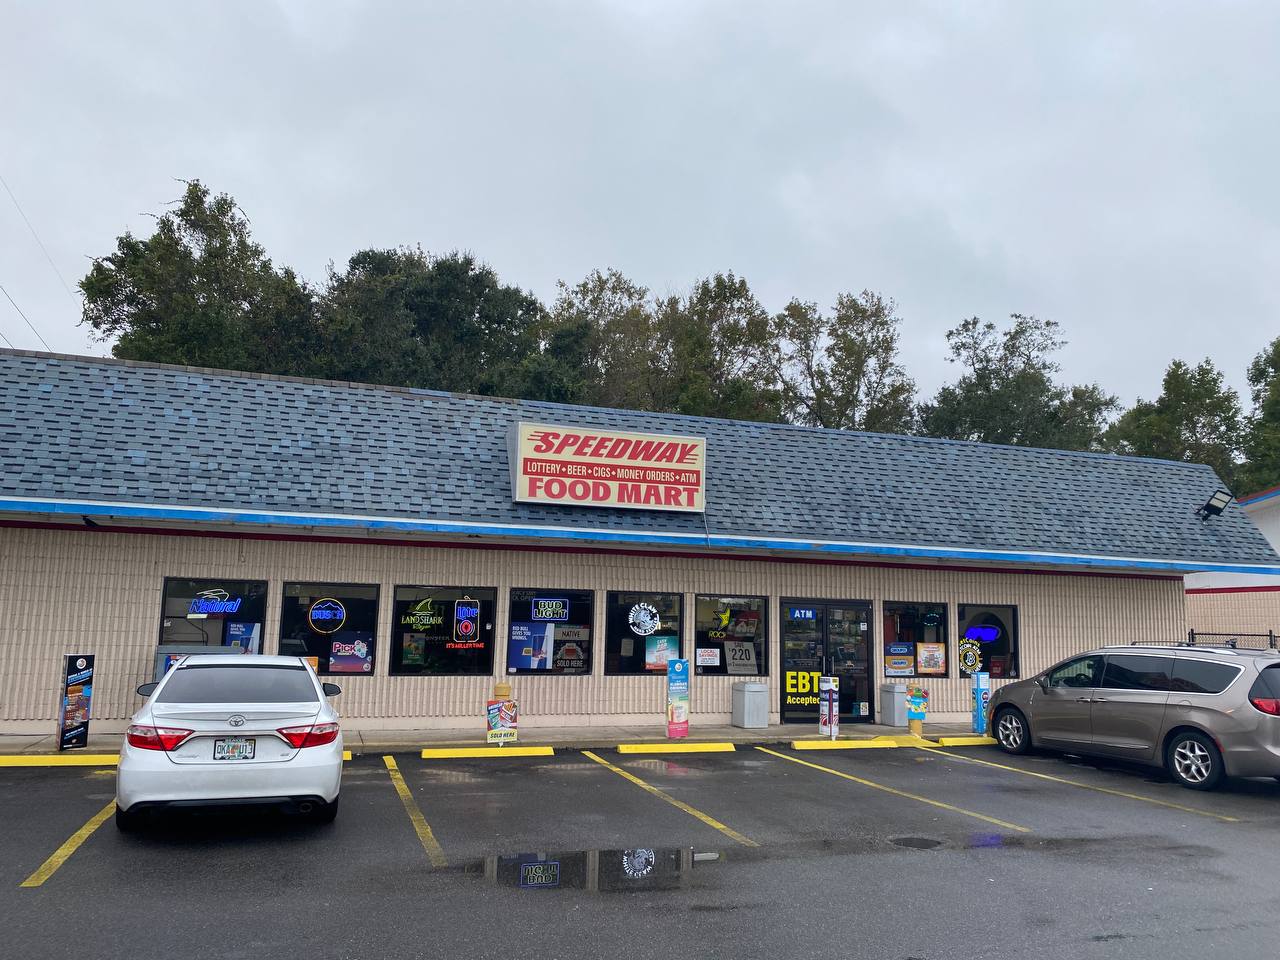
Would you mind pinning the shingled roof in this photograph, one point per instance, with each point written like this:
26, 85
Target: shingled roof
158, 441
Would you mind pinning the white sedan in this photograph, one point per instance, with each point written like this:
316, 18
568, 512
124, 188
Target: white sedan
223, 730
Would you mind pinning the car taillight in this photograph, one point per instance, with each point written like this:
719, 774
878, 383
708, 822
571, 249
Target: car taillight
1266, 705
156, 738
316, 735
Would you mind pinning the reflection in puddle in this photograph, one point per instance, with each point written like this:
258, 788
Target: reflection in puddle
604, 871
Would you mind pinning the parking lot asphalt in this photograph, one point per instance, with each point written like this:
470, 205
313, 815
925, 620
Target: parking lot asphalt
770, 852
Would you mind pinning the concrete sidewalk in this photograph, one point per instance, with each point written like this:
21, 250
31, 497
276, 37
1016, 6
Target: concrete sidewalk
596, 737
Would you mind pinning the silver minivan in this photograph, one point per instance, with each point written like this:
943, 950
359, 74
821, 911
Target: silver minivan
1202, 713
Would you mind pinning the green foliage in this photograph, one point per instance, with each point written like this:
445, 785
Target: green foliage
199, 291
1007, 393
1196, 418
842, 371
1262, 435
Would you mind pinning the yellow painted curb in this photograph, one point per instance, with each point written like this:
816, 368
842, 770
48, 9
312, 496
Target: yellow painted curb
869, 743
965, 741
456, 753
346, 754
61, 760
676, 748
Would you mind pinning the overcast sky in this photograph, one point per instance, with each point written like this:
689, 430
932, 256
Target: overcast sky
1112, 166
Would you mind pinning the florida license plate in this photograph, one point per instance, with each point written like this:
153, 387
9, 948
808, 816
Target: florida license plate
234, 748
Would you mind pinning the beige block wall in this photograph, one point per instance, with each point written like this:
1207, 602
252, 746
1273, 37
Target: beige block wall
1251, 612
98, 592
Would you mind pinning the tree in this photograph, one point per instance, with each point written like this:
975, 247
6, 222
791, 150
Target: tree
842, 371
1008, 394
200, 291
1261, 470
441, 322
720, 352
1196, 418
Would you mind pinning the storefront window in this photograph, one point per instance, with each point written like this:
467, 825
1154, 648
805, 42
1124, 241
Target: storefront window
336, 623
550, 631
443, 631
214, 613
915, 640
730, 636
988, 640
642, 632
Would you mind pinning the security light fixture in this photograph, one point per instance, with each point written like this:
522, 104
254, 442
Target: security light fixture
1214, 505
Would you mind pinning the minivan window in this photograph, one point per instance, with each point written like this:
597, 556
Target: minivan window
1081, 672
1135, 672
1267, 686
1202, 676
215, 683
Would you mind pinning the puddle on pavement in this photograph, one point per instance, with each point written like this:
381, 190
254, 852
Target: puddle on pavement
596, 871
915, 843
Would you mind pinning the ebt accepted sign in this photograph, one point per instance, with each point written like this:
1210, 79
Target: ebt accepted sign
593, 467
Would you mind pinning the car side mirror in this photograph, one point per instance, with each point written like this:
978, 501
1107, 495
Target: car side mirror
331, 689
1043, 683
147, 689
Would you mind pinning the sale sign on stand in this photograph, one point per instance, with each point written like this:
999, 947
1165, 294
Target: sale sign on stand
677, 698
829, 707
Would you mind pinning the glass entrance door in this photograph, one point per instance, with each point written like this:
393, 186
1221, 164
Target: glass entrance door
826, 638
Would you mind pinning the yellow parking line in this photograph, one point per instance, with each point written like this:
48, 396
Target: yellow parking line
710, 821
453, 753
60, 760
1086, 786
72, 844
675, 748
420, 825
900, 793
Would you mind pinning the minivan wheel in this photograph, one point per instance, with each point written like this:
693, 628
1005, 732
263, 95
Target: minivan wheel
1193, 760
1010, 729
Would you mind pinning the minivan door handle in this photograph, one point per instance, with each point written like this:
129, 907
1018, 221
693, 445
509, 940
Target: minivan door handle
1099, 700
1083, 700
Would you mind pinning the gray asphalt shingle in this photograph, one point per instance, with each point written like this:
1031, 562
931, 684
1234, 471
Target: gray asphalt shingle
87, 429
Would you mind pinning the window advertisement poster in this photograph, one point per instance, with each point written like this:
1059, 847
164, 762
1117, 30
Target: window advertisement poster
77, 697
677, 698
569, 648
351, 653
246, 636
659, 650
899, 660
931, 658
740, 658
829, 707
501, 717
531, 645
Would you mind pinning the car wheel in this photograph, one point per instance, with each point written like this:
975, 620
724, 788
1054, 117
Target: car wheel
127, 821
325, 812
1193, 760
1010, 730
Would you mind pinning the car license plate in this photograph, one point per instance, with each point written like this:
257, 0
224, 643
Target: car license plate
234, 748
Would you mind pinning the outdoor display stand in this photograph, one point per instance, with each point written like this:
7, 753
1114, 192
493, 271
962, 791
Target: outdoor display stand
981, 694
677, 699
917, 706
829, 707
77, 698
501, 715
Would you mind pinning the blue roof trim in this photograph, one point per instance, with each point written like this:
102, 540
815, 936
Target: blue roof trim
207, 515
1259, 497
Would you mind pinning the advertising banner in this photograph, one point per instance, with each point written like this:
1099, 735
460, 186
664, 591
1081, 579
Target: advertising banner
77, 697
531, 646
917, 701
829, 707
501, 716
981, 694
246, 636
596, 467
740, 658
931, 658
352, 653
677, 698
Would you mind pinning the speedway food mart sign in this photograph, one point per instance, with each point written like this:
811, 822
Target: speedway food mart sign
590, 467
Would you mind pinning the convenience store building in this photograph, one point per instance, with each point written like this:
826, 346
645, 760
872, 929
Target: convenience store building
422, 545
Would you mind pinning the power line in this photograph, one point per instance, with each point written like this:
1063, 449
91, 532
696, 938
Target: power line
7, 340
23, 214
24, 317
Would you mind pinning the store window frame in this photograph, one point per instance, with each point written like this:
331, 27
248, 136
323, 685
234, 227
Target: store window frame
164, 597
763, 662
373, 634
592, 637
1015, 640
944, 628
395, 637
679, 632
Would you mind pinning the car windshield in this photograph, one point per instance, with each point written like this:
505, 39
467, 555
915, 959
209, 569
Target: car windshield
215, 683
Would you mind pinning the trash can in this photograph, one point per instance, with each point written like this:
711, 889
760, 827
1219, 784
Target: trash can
893, 704
751, 705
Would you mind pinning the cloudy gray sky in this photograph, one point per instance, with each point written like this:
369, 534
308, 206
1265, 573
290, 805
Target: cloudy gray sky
1113, 166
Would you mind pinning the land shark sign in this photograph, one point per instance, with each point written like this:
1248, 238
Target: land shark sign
591, 467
